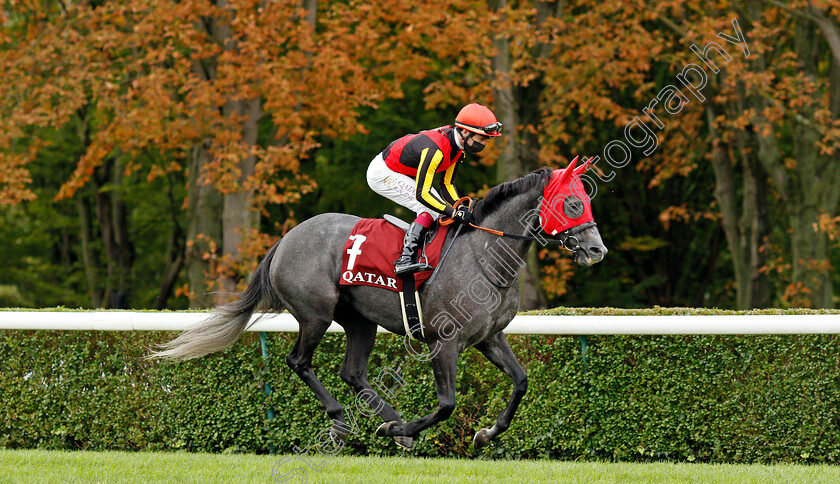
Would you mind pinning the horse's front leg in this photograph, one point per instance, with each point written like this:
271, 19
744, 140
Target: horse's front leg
444, 367
497, 350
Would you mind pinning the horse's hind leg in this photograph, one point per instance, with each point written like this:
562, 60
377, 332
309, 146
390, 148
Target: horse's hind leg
497, 350
300, 361
361, 336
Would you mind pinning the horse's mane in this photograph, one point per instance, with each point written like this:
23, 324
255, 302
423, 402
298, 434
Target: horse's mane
497, 195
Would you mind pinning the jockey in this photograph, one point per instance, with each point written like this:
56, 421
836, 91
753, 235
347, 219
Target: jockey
405, 170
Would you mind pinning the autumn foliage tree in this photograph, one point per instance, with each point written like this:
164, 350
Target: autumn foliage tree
166, 87
223, 103
772, 123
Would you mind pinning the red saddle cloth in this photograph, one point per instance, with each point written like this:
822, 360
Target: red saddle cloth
370, 251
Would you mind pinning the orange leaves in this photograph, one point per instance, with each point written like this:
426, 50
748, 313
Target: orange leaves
97, 151
557, 270
830, 142
225, 171
14, 178
829, 225
682, 214
157, 76
284, 190
681, 147
797, 295
237, 267
606, 49
801, 293
156, 171
679, 213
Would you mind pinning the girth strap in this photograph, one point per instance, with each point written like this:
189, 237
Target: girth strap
412, 312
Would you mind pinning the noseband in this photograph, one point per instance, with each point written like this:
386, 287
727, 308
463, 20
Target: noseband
569, 235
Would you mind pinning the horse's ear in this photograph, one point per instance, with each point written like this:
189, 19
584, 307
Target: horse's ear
569, 171
582, 168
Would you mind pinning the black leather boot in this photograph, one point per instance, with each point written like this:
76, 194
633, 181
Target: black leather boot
412, 242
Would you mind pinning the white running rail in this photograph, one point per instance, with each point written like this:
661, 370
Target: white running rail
522, 324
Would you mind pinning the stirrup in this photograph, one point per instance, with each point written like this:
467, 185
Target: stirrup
412, 268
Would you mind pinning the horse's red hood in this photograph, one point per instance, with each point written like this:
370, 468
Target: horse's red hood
565, 203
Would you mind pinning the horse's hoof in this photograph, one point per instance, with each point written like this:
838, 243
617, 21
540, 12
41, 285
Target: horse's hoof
384, 429
404, 441
481, 438
338, 438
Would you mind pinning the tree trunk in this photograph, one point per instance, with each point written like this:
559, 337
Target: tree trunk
175, 257
215, 219
509, 166
818, 174
754, 222
83, 209
123, 255
744, 209
88, 255
811, 279
113, 228
514, 160
311, 9
239, 215
727, 199
174, 263
807, 189
743, 217
755, 217
811, 276
204, 229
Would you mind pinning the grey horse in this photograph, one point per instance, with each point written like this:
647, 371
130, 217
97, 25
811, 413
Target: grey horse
476, 281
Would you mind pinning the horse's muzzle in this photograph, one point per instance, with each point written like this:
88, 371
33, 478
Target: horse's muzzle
587, 256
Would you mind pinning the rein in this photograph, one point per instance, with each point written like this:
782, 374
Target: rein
562, 239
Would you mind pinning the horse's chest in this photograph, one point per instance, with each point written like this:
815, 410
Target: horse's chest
492, 322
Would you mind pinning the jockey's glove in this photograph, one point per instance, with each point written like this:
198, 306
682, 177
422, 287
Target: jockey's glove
463, 216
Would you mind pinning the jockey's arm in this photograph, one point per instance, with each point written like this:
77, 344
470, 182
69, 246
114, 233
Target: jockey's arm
430, 159
447, 188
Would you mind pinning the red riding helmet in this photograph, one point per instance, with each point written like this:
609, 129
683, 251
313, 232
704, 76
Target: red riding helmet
478, 119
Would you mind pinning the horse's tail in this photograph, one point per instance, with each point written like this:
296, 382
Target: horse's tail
228, 321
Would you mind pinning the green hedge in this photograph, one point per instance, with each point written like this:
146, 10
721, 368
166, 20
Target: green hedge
639, 398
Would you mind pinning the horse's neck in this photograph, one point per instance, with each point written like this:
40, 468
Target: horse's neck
502, 258
517, 215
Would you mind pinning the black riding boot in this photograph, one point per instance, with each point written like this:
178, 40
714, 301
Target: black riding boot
412, 243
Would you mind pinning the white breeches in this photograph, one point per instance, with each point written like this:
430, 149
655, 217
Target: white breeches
396, 187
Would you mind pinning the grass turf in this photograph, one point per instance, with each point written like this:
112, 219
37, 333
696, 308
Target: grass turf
29, 466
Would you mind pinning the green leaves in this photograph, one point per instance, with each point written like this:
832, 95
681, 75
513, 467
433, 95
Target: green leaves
643, 398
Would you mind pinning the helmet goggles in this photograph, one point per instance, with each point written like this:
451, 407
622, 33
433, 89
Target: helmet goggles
492, 129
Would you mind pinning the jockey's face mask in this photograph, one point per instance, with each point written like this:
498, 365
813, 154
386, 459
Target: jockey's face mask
475, 147
471, 144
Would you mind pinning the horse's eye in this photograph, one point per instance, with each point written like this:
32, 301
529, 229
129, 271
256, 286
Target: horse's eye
573, 206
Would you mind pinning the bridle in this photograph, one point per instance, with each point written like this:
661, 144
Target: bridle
562, 239
570, 234
566, 239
